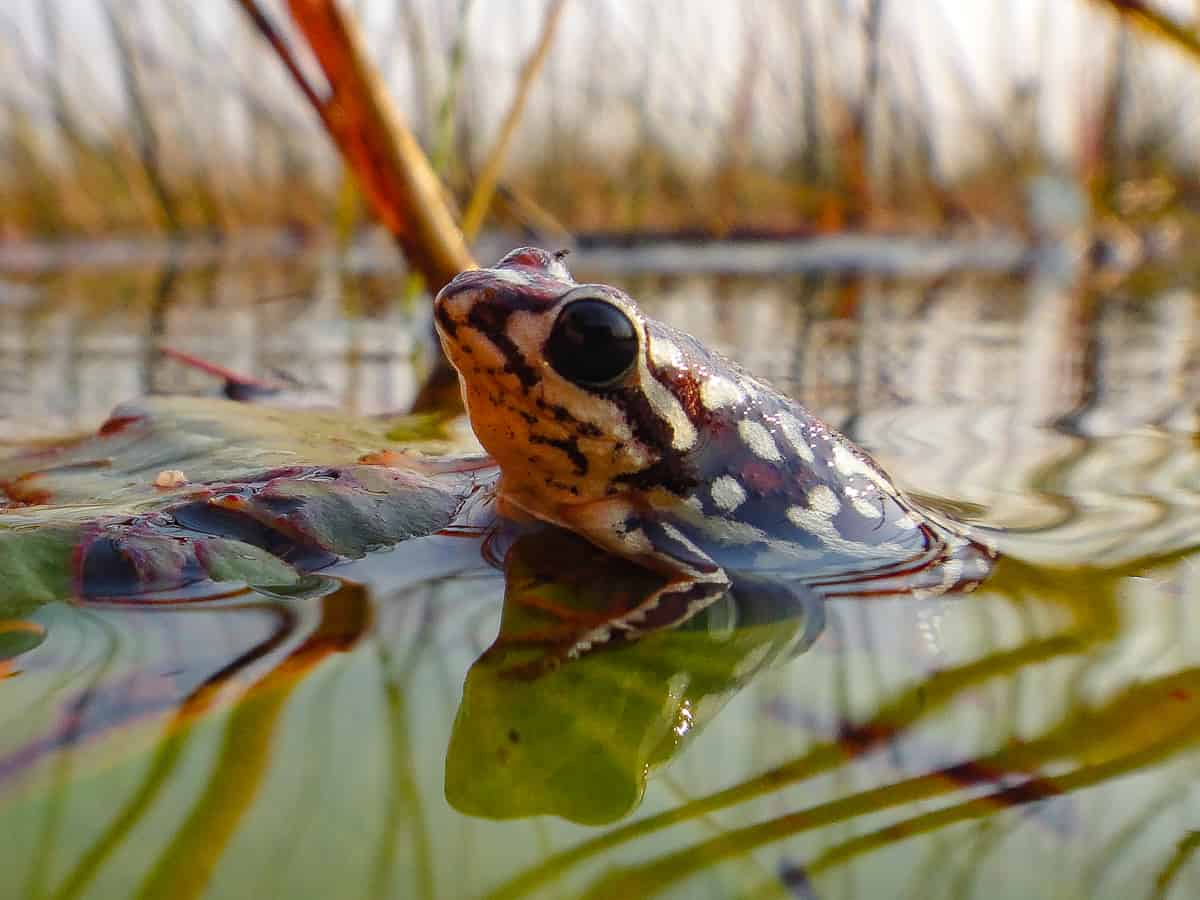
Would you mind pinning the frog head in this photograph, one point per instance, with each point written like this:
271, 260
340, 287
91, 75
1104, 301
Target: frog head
558, 382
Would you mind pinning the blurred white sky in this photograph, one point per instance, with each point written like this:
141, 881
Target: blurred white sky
681, 61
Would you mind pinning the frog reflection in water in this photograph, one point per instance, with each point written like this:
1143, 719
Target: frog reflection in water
653, 447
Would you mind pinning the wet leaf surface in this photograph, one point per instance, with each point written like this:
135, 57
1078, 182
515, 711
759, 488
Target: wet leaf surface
259, 495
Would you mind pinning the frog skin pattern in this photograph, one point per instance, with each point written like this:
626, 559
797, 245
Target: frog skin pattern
642, 440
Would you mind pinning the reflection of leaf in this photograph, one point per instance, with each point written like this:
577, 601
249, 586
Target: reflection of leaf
1086, 594
19, 637
579, 741
267, 492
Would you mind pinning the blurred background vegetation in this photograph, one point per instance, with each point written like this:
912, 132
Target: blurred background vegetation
682, 116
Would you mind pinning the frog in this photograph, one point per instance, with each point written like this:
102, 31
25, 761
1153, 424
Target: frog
654, 447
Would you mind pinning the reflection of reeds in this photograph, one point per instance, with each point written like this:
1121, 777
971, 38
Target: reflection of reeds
1090, 744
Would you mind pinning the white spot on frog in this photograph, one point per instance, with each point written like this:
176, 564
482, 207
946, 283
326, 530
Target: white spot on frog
717, 393
793, 432
817, 519
683, 432
664, 354
865, 504
811, 520
824, 500
727, 494
759, 440
850, 464
906, 523
847, 463
636, 541
730, 532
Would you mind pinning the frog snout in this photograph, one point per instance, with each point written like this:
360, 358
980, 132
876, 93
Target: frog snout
452, 304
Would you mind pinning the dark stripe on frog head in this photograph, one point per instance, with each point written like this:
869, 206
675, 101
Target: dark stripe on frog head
671, 470
490, 320
569, 446
562, 414
445, 319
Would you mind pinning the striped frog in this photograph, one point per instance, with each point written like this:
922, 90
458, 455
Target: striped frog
653, 447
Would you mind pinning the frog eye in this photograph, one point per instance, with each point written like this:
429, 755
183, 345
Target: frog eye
592, 343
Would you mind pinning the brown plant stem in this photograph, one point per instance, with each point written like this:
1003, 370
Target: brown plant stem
379, 149
1162, 26
357, 112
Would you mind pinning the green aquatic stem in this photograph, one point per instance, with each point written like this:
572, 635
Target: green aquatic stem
39, 875
1096, 621
1187, 847
1077, 735
176, 734
185, 867
404, 796
1116, 847
1082, 777
166, 760
489, 173
909, 707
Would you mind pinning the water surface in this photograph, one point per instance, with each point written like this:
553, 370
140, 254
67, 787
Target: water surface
1035, 738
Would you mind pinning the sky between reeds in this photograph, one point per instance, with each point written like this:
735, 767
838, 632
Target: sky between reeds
135, 115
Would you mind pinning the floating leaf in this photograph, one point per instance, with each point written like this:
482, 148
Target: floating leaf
254, 495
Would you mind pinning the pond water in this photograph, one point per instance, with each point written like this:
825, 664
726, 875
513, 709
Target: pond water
352, 738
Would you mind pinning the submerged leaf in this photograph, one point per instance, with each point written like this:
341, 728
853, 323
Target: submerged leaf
35, 567
17, 637
227, 560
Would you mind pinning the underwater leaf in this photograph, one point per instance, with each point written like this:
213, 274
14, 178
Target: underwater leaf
227, 560
19, 637
35, 568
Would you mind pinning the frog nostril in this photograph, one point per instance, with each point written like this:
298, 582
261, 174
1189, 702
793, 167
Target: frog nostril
527, 258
